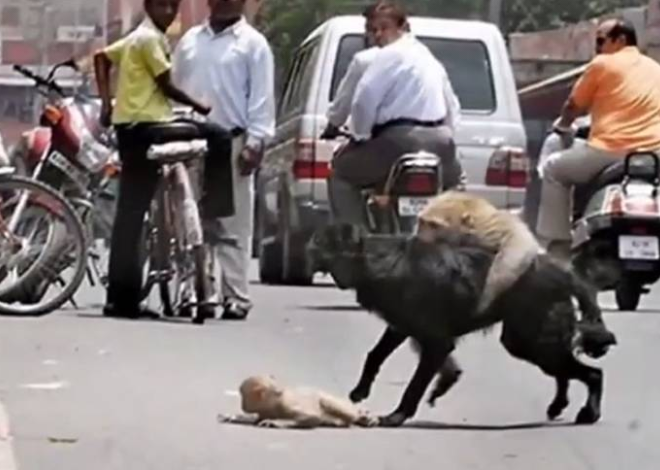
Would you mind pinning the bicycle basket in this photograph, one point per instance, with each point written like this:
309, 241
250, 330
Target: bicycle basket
173, 152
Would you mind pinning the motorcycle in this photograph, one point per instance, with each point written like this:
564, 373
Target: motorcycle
73, 153
392, 206
616, 223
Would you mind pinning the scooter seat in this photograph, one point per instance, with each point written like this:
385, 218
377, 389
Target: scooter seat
612, 174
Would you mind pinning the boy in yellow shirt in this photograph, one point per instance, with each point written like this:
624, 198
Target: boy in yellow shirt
144, 89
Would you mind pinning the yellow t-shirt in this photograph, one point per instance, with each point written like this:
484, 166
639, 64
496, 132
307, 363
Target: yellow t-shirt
622, 93
141, 56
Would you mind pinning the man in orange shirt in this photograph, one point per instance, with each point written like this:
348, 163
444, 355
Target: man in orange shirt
620, 90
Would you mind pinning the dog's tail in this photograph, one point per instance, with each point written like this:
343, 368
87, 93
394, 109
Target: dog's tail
593, 339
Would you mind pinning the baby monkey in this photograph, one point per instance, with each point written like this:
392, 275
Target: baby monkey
270, 404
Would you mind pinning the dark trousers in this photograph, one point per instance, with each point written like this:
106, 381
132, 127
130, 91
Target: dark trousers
137, 185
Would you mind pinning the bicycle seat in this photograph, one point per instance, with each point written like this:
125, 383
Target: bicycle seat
173, 132
177, 151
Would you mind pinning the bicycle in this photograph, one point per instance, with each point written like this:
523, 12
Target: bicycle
43, 247
175, 244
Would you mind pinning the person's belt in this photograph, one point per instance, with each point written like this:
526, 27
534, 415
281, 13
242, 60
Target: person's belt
237, 131
378, 128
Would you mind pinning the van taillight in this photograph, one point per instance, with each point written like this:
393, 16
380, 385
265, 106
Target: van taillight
305, 165
508, 166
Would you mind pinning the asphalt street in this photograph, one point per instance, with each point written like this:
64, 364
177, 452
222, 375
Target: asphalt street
83, 392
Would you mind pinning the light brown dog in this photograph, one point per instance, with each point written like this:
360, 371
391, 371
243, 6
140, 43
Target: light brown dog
516, 245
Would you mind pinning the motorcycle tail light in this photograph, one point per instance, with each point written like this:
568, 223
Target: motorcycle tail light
641, 206
423, 183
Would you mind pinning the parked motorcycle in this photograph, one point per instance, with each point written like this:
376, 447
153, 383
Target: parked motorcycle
616, 225
73, 153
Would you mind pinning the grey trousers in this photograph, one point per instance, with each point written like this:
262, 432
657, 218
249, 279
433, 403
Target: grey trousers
560, 172
229, 239
366, 164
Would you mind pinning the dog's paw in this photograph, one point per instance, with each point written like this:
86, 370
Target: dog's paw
359, 394
392, 420
587, 415
556, 408
443, 385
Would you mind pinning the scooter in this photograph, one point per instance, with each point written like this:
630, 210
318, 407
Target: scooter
616, 225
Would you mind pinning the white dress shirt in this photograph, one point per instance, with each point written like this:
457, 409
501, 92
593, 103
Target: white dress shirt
340, 108
234, 73
404, 80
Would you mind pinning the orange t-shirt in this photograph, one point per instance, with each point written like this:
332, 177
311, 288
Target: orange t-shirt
621, 91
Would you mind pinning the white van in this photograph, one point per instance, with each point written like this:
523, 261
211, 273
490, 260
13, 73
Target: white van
292, 199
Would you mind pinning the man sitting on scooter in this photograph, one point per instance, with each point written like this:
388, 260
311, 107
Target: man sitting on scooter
403, 103
619, 89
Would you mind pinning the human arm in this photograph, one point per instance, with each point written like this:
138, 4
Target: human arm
340, 107
377, 81
582, 96
159, 66
102, 68
261, 106
453, 117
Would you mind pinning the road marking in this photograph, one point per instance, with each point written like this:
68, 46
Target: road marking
46, 386
7, 460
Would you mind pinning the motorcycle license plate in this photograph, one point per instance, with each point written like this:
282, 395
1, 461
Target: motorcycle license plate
411, 206
638, 247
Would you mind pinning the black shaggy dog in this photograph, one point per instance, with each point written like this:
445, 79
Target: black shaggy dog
430, 292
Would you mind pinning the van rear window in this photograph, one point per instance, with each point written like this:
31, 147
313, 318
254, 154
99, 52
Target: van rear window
466, 61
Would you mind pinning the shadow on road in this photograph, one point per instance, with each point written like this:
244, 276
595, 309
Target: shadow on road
433, 425
316, 285
174, 321
332, 308
645, 311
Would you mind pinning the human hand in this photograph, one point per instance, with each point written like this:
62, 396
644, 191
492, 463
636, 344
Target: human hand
203, 109
249, 161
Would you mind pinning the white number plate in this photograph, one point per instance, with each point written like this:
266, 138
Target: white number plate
411, 206
638, 247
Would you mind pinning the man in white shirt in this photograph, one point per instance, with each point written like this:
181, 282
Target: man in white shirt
403, 103
231, 65
340, 107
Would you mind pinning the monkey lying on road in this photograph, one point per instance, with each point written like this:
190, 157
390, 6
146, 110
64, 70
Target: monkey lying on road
272, 405
500, 230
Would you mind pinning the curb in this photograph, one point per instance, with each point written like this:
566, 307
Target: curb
7, 460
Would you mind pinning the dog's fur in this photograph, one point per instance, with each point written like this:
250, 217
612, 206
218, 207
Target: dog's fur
500, 230
429, 292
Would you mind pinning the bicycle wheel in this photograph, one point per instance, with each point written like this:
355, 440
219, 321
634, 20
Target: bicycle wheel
42, 248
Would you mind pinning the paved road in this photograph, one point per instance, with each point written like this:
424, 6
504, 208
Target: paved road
83, 392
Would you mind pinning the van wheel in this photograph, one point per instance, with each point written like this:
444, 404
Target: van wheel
270, 262
297, 270
627, 295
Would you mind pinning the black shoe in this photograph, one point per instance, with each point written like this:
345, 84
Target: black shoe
111, 311
233, 311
